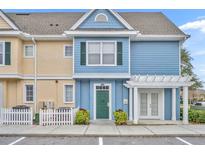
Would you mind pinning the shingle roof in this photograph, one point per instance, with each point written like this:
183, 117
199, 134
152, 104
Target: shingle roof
150, 23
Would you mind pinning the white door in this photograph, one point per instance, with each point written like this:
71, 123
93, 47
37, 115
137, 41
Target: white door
1, 95
150, 104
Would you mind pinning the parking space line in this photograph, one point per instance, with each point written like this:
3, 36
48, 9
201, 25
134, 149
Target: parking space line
20, 139
182, 140
100, 141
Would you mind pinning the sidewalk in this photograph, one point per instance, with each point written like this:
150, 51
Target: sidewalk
103, 130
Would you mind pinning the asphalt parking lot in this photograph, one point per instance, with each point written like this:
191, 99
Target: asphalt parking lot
17, 140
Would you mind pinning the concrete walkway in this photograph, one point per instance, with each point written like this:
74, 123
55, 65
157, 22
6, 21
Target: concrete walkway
104, 130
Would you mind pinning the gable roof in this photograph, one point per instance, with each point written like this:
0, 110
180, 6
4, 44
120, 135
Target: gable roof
86, 15
8, 21
147, 23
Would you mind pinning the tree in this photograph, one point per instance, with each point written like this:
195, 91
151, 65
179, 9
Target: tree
187, 69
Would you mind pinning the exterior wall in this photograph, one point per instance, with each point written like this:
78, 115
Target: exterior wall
168, 104
112, 21
85, 94
101, 69
50, 59
16, 56
3, 24
47, 90
161, 58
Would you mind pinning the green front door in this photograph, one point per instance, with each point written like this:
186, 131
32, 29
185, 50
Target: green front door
102, 102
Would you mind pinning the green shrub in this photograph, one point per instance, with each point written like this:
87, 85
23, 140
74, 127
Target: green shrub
82, 117
36, 120
120, 117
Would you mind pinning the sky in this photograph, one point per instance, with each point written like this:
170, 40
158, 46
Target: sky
192, 22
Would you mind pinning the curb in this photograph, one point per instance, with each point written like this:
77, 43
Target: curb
103, 135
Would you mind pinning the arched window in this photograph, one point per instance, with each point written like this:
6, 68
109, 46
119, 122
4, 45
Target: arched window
101, 18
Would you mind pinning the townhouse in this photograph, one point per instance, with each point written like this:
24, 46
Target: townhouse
101, 60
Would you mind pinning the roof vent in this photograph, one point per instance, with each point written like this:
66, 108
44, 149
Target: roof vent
57, 24
51, 24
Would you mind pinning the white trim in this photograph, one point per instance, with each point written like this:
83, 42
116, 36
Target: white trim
24, 93
180, 45
9, 22
103, 15
160, 103
31, 45
129, 55
174, 104
73, 55
67, 45
100, 75
136, 106
101, 52
86, 15
185, 105
130, 104
69, 84
110, 99
82, 19
142, 37
102, 33
3, 64
1, 94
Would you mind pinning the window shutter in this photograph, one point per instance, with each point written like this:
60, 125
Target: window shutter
119, 53
7, 53
83, 53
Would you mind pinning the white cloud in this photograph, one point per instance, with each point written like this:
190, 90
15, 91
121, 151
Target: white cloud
197, 25
198, 53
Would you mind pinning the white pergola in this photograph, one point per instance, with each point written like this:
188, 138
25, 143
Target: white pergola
158, 81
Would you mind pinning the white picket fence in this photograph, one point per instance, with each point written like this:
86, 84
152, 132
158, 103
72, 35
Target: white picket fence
11, 116
56, 117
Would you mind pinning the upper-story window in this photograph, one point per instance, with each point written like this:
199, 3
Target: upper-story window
28, 51
101, 17
2, 53
101, 53
68, 51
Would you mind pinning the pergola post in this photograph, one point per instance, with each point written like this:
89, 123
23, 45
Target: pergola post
185, 105
130, 104
136, 114
174, 104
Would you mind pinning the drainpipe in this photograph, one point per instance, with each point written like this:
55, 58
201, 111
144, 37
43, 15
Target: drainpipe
35, 75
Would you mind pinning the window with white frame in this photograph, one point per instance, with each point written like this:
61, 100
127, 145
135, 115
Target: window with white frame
101, 53
101, 17
29, 92
68, 93
68, 51
2, 53
28, 51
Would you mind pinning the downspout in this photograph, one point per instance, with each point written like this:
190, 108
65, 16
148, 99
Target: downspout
35, 75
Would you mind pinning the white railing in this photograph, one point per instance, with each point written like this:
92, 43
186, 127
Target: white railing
11, 116
56, 117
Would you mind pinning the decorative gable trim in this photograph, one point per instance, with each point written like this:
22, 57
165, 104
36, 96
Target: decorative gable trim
9, 22
86, 15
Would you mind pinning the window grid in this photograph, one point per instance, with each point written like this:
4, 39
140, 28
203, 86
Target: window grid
68, 93
68, 51
106, 56
2, 52
29, 93
28, 51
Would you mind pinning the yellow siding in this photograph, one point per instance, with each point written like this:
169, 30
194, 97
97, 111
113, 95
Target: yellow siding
47, 90
4, 24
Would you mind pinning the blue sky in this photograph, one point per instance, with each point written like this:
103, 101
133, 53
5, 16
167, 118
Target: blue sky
192, 22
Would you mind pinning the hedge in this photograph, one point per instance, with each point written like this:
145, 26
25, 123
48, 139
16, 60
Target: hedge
195, 116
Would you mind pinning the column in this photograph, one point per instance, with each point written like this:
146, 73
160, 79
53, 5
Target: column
174, 104
185, 105
130, 104
136, 114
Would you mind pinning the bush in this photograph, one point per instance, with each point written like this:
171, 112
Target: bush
195, 116
120, 117
36, 120
82, 117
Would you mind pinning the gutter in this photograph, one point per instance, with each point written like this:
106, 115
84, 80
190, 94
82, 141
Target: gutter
35, 74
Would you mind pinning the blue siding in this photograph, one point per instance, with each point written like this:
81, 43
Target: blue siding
86, 97
101, 69
112, 21
168, 104
161, 58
